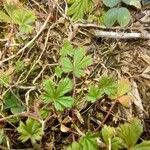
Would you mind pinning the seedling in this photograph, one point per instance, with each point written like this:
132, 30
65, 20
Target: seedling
32, 130
74, 60
123, 137
18, 15
55, 93
118, 14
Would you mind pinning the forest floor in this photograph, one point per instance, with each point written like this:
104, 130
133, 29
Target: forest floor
27, 65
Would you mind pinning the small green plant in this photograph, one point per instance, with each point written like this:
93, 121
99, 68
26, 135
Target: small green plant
19, 66
32, 130
4, 78
125, 136
13, 102
110, 139
115, 90
79, 8
117, 14
55, 93
74, 60
130, 134
18, 15
86, 142
106, 85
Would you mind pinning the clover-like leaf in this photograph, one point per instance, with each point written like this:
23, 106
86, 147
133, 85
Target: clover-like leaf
124, 16
94, 94
110, 17
111, 3
136, 3
130, 132
56, 93
32, 130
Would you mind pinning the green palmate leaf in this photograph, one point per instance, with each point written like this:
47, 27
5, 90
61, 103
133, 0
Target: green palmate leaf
66, 63
31, 130
56, 94
123, 88
19, 65
44, 113
145, 145
5, 18
111, 3
24, 18
64, 87
58, 71
124, 16
10, 9
108, 85
130, 132
74, 146
110, 17
63, 102
136, 3
89, 142
116, 143
21, 16
94, 94
81, 62
79, 8
4, 78
49, 88
67, 49
107, 133
13, 102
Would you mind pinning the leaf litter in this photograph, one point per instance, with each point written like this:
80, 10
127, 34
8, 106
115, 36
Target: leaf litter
122, 59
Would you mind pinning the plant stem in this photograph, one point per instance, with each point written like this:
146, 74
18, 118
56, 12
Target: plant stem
107, 115
74, 86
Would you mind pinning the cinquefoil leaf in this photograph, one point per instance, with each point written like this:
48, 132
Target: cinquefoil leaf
145, 145
32, 130
94, 94
108, 85
56, 93
130, 132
